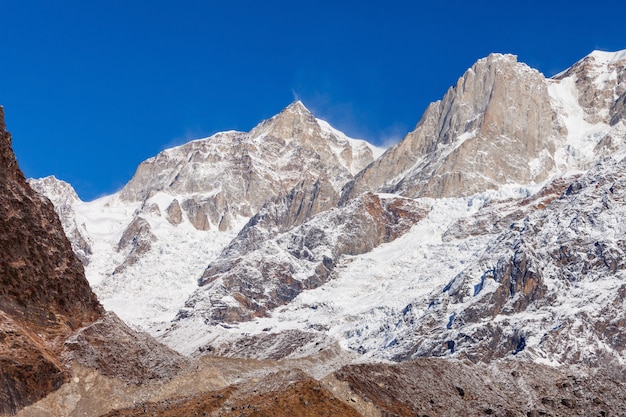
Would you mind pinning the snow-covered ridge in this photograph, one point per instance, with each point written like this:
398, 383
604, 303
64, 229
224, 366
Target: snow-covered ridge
605, 58
356, 143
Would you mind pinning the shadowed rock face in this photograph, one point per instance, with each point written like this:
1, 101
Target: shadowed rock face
44, 295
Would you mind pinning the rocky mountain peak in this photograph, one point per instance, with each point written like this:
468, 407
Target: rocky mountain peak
295, 122
58, 191
297, 107
230, 175
495, 126
2, 124
606, 58
8, 164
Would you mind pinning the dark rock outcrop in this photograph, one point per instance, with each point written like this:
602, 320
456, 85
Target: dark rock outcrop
44, 296
136, 240
117, 351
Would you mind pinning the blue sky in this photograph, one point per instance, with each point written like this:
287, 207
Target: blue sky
92, 88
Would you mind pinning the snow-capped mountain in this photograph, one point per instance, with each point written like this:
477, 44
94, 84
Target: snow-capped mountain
145, 247
230, 175
492, 230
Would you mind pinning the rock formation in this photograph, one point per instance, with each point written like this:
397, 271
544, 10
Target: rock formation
495, 126
232, 174
255, 275
44, 296
64, 198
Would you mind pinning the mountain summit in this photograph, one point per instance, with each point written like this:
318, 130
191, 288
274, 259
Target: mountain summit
495, 126
231, 174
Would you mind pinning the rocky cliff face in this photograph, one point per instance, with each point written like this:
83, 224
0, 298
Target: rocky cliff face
255, 275
232, 174
548, 285
495, 126
44, 296
600, 80
505, 123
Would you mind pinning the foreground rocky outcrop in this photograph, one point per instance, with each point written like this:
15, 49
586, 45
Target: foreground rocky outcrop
425, 387
431, 387
50, 320
44, 296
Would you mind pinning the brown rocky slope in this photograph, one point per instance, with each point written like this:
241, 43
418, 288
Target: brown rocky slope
44, 296
50, 320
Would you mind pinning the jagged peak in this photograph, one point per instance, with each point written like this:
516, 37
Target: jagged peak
497, 56
55, 189
501, 61
298, 110
297, 107
287, 123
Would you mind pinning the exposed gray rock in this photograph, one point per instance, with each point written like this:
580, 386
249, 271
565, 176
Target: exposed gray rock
255, 276
174, 213
232, 174
487, 131
136, 240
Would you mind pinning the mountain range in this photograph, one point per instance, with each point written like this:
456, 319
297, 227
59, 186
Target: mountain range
486, 246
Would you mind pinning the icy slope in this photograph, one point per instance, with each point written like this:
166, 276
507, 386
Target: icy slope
242, 286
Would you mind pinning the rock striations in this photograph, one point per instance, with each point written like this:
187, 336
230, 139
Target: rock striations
252, 282
495, 126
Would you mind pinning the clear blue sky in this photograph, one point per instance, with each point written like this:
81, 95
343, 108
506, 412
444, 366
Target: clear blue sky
92, 88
